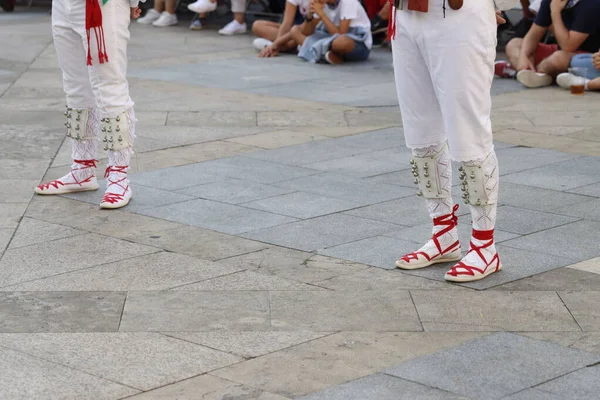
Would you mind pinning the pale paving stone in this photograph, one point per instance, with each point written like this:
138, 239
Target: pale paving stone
219, 118
293, 264
5, 237
589, 190
249, 344
492, 311
22, 168
565, 118
343, 311
196, 311
558, 279
246, 280
360, 118
276, 139
11, 213
20, 191
159, 271
207, 387
201, 243
234, 191
302, 118
583, 384
27, 378
60, 311
584, 308
126, 357
586, 341
592, 265
337, 359
32, 231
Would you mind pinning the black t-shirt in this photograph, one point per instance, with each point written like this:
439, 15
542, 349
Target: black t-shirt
583, 18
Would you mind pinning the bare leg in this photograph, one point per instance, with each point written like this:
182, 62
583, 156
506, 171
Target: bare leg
513, 50
169, 6
239, 17
594, 84
266, 29
297, 35
555, 64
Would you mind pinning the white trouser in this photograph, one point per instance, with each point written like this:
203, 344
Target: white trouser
444, 69
101, 85
238, 6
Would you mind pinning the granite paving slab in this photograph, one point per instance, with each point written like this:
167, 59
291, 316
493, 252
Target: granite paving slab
588, 190
524, 222
321, 232
493, 367
559, 279
583, 384
343, 311
234, 191
247, 280
587, 210
25, 378
64, 255
571, 241
521, 158
583, 305
33, 231
249, 344
126, 357
586, 341
221, 217
366, 164
465, 310
158, 271
174, 178
60, 311
382, 387
11, 213
592, 265
538, 199
195, 311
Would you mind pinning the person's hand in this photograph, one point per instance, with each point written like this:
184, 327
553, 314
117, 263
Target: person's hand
596, 60
526, 62
135, 12
556, 6
316, 7
499, 19
269, 51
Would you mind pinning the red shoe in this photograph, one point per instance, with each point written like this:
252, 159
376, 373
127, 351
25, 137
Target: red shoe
434, 252
475, 265
504, 69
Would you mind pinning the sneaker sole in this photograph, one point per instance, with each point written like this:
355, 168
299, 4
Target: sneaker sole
438, 261
47, 193
532, 80
199, 11
466, 278
110, 206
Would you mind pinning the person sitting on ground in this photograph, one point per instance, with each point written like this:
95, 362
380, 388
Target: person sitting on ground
162, 15
335, 31
238, 8
274, 38
576, 26
591, 63
379, 24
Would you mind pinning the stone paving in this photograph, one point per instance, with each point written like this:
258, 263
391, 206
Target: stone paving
256, 258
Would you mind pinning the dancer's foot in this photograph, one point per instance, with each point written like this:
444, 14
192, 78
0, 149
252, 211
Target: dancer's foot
444, 246
480, 261
81, 178
118, 193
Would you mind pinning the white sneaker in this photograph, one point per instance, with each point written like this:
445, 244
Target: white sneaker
202, 6
233, 28
260, 44
151, 16
565, 80
532, 79
166, 19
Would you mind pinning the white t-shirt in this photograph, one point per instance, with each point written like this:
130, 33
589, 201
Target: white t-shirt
354, 11
302, 5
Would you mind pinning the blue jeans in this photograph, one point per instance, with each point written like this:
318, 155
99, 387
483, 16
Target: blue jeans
585, 61
360, 52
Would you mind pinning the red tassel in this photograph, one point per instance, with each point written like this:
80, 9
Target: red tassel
93, 21
392, 26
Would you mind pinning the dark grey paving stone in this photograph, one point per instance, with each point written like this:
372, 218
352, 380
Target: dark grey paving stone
219, 217
174, 178
143, 197
60, 311
321, 232
493, 367
564, 175
381, 387
588, 210
516, 264
234, 191
573, 241
346, 187
583, 384
253, 170
588, 190
366, 164
302, 205
534, 198
523, 222
377, 251
375, 140
519, 158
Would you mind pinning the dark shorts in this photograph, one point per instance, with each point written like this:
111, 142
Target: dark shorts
359, 53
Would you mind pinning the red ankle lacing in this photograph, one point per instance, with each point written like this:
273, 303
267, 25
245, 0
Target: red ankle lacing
450, 221
484, 236
111, 197
84, 165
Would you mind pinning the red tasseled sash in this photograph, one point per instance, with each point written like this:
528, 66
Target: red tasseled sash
93, 21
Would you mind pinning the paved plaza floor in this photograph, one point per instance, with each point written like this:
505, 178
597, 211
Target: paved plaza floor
256, 259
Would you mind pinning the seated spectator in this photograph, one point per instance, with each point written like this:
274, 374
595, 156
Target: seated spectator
576, 26
379, 13
591, 63
274, 38
238, 7
335, 31
162, 15
7, 5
